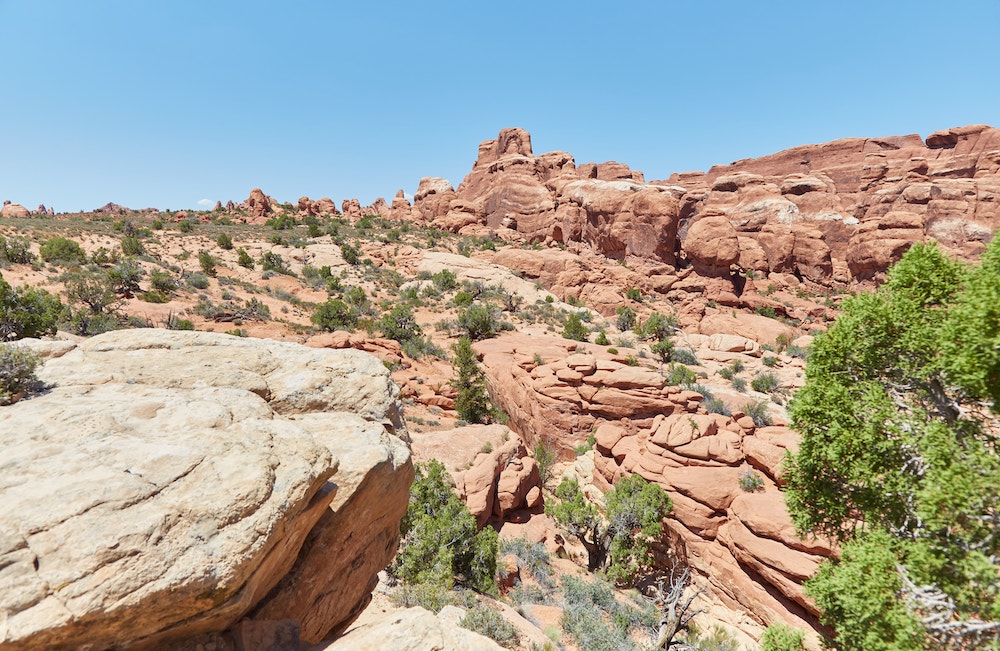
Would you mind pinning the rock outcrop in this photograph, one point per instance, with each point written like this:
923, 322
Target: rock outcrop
259, 206
15, 210
834, 212
169, 484
743, 544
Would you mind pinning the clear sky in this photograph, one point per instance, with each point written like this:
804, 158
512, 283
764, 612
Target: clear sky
167, 103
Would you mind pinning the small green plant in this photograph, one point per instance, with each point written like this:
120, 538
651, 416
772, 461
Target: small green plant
434, 519
770, 361
17, 373
545, 456
765, 382
757, 410
472, 402
335, 314
244, 259
633, 294
224, 241
778, 637
663, 349
27, 312
479, 321
750, 481
626, 319
574, 329
602, 339
740, 384
487, 621
62, 252
186, 225
272, 261
132, 246
684, 356
198, 281
207, 262
350, 254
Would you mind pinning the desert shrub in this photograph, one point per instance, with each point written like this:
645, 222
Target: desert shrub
430, 596
244, 259
573, 328
479, 321
350, 254
63, 252
602, 339
462, 299
544, 456
154, 296
434, 520
132, 246
770, 361
418, 347
740, 384
778, 637
626, 318
224, 241
757, 410
163, 282
659, 327
335, 314
186, 225
124, 277
487, 621
445, 280
750, 481
599, 622
27, 312
198, 281
207, 262
272, 261
715, 639
472, 402
400, 324
156, 225
717, 406
663, 349
281, 223
633, 294
684, 356
17, 373
765, 382
679, 375
15, 250
531, 557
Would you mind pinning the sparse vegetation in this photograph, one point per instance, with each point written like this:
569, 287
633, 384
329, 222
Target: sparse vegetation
435, 519
17, 373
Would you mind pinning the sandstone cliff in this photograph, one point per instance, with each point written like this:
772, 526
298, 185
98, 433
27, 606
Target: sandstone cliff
839, 211
169, 484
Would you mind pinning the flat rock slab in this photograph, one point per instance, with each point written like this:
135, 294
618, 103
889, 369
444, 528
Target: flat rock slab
166, 481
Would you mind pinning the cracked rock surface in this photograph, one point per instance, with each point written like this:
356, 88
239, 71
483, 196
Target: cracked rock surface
168, 484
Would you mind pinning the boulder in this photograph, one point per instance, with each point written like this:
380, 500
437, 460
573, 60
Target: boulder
169, 483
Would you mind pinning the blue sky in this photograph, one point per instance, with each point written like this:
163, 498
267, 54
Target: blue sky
167, 103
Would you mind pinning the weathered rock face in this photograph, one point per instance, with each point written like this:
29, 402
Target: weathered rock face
15, 210
259, 205
546, 198
856, 203
560, 392
834, 212
171, 483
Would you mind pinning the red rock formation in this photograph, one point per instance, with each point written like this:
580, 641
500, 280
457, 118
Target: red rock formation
849, 208
14, 210
833, 212
259, 204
